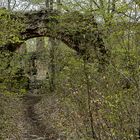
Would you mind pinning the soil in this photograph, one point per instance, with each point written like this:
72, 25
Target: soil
34, 127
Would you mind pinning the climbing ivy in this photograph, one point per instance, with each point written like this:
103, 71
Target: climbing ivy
9, 27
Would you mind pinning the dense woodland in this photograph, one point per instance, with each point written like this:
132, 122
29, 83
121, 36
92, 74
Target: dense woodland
69, 70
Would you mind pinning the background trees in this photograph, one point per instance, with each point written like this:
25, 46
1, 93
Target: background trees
82, 99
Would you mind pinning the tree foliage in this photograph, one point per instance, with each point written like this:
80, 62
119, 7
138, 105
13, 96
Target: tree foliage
83, 98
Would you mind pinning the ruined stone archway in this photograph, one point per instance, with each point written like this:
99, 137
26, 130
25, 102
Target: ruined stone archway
78, 31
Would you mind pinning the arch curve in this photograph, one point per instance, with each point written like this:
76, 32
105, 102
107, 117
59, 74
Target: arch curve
78, 31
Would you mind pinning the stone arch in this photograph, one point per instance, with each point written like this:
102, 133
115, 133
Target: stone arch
78, 31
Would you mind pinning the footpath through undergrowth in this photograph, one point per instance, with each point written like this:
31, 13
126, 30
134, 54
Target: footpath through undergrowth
34, 127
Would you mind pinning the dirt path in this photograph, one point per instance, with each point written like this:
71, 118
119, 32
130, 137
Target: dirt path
35, 129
